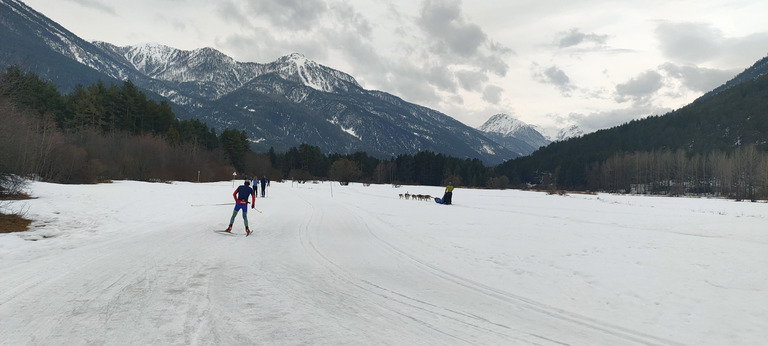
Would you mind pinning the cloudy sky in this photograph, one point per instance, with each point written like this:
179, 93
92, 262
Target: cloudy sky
551, 63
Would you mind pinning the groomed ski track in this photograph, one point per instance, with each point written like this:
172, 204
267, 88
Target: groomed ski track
325, 265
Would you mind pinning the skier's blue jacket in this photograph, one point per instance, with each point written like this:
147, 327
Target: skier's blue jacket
242, 193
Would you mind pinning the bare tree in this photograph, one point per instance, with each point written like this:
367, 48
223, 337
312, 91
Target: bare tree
344, 170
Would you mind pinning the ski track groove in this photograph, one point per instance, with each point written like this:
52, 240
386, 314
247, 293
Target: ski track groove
106, 302
414, 303
345, 276
322, 273
551, 311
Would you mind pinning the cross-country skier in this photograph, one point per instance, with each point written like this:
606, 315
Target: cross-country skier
264, 182
241, 202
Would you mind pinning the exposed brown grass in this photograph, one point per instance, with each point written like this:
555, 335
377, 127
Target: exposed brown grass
13, 223
10, 223
17, 197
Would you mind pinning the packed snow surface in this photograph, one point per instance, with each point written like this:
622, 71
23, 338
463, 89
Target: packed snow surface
139, 263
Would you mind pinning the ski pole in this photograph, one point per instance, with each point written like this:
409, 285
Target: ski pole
208, 205
252, 207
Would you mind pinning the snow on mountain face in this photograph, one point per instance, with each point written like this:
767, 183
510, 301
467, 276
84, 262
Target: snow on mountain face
298, 68
204, 65
151, 59
283, 103
508, 126
502, 124
54, 35
506, 131
208, 65
569, 132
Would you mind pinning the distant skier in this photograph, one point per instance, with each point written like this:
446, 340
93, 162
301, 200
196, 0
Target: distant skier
241, 202
447, 196
255, 184
264, 183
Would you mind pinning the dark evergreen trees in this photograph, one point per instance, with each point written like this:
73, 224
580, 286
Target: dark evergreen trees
235, 144
727, 124
100, 132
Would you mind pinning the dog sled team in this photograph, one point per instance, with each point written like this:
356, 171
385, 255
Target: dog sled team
447, 196
415, 197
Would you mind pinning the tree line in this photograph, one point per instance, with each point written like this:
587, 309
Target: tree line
101, 133
716, 145
741, 173
104, 132
307, 162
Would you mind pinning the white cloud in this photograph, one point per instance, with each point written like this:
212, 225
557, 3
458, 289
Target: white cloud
97, 5
492, 94
452, 35
698, 78
689, 42
555, 76
574, 37
295, 15
639, 88
591, 122
471, 80
697, 43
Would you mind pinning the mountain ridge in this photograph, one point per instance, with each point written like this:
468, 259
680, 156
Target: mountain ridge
513, 134
323, 106
315, 89
707, 130
757, 70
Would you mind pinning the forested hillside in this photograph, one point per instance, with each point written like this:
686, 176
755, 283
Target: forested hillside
715, 145
105, 132
99, 133
758, 69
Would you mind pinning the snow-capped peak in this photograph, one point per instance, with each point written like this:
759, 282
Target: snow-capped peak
502, 124
514, 134
298, 59
205, 65
557, 134
298, 67
569, 132
149, 57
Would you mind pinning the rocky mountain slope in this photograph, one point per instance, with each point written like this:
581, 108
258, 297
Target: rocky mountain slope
513, 134
280, 104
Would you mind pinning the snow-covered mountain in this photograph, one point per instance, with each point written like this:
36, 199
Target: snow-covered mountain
513, 134
30, 40
210, 74
568, 132
521, 138
178, 66
556, 134
279, 104
298, 68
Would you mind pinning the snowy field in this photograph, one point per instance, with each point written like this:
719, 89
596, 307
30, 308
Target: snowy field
140, 264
